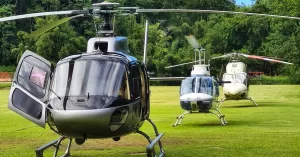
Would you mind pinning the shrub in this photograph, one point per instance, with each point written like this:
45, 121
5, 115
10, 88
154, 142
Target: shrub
271, 80
7, 69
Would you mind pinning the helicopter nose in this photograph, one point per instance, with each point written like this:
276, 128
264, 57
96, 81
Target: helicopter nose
234, 89
194, 97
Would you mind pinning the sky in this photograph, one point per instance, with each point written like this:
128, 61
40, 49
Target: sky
246, 2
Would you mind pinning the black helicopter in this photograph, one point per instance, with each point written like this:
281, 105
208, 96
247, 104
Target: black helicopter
103, 93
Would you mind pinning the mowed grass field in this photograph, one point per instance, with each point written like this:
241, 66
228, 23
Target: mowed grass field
272, 129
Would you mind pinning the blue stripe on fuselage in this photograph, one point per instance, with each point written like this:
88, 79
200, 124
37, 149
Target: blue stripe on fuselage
120, 38
130, 58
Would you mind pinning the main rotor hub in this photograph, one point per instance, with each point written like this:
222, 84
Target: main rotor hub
107, 11
105, 5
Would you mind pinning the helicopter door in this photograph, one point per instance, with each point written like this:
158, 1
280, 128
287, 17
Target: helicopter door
145, 91
29, 88
136, 82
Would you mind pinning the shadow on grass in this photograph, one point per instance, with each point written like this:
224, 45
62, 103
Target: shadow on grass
238, 106
206, 124
274, 104
218, 124
97, 154
260, 104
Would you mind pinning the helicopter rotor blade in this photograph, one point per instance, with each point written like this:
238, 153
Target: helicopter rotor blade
193, 42
70, 12
50, 26
177, 65
210, 11
264, 58
225, 56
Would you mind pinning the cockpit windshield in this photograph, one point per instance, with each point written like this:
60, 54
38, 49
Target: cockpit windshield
235, 78
197, 85
86, 84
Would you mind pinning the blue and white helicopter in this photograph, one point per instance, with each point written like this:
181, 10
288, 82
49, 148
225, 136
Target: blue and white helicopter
198, 93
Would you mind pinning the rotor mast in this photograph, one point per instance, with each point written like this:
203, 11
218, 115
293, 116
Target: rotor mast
107, 11
145, 42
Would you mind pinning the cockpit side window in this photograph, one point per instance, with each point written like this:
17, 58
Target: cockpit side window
124, 88
236, 78
205, 85
241, 78
102, 46
187, 86
209, 86
227, 77
216, 88
136, 82
32, 78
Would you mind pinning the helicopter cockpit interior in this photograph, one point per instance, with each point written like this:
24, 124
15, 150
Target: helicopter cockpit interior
204, 85
198, 85
100, 45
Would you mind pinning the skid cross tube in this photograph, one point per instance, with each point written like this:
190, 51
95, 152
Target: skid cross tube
150, 147
222, 101
218, 114
56, 143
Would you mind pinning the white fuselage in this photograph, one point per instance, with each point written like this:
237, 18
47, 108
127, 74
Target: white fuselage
236, 74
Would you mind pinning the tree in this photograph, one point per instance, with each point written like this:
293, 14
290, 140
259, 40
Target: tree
7, 38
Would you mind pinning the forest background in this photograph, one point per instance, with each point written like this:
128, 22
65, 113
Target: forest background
217, 33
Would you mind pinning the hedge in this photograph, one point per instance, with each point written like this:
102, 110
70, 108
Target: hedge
7, 69
271, 80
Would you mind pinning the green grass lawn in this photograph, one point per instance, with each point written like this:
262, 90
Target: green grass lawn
272, 129
5, 85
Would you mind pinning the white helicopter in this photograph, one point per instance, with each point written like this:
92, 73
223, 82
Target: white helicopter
198, 93
236, 73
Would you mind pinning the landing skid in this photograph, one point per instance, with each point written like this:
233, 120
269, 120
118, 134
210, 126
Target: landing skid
252, 101
222, 101
218, 114
149, 149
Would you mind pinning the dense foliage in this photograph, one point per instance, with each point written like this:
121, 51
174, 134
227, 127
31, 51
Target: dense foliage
217, 33
7, 68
